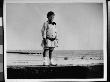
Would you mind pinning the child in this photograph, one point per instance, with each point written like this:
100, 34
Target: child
49, 35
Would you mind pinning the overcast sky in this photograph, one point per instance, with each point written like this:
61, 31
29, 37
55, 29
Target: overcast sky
80, 25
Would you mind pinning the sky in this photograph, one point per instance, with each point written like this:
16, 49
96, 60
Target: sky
79, 25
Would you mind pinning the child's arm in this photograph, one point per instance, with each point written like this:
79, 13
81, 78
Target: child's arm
56, 38
44, 31
56, 34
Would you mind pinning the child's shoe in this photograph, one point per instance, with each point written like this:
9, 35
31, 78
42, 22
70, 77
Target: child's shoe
52, 62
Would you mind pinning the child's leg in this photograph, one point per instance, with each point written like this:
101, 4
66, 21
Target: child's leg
45, 57
52, 62
45, 52
50, 53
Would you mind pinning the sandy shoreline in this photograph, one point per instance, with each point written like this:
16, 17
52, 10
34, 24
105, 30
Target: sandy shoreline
33, 59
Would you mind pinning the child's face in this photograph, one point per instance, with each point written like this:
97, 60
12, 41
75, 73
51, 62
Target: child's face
51, 18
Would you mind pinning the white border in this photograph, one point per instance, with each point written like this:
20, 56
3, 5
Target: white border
105, 39
58, 1
0, 21
55, 1
5, 46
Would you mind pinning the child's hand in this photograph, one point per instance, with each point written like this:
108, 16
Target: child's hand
56, 42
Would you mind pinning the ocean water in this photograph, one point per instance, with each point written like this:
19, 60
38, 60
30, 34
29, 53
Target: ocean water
61, 57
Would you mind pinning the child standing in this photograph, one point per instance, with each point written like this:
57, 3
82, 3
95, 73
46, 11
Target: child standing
50, 40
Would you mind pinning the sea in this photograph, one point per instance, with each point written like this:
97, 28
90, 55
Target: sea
61, 57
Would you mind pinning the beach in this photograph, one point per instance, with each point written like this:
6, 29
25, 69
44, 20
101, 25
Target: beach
70, 64
88, 57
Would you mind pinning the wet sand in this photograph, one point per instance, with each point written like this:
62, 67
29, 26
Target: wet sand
55, 72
